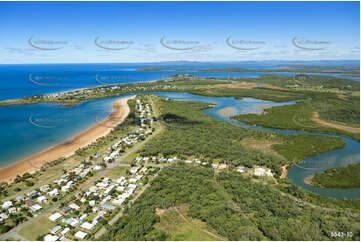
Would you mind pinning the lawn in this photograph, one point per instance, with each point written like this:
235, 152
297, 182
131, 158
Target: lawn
39, 227
116, 172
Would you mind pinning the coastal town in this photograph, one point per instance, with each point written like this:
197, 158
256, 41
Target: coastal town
180, 121
78, 204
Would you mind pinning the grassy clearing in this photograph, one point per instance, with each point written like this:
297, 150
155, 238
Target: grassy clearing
178, 226
264, 145
116, 172
39, 227
299, 116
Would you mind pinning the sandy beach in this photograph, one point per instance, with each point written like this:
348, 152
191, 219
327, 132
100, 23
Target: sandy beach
308, 180
284, 172
31, 164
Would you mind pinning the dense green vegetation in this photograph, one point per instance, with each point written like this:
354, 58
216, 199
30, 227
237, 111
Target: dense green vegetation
236, 207
297, 147
260, 93
340, 110
350, 206
322, 82
340, 177
300, 116
193, 133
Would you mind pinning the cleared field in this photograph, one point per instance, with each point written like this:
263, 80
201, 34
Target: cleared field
179, 226
116, 172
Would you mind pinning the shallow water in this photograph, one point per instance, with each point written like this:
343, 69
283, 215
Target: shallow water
29, 129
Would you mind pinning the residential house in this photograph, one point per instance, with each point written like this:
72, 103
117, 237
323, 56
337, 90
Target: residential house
55, 216
55, 230
80, 234
7, 204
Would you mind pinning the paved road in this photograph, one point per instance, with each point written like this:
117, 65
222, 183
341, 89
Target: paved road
118, 215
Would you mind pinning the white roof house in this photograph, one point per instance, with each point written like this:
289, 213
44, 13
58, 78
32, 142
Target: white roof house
65, 188
42, 199
45, 188
80, 234
3, 216
259, 171
74, 222
133, 180
83, 216
134, 170
66, 230
87, 226
74, 206
109, 189
12, 210
269, 173
7, 204
118, 202
50, 237
20, 198
132, 186
93, 189
102, 184
240, 170
55, 230
121, 180
55, 216
120, 188
36, 207
53, 192
97, 168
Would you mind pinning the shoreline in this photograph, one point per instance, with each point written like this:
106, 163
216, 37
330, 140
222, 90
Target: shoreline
308, 180
12, 101
80, 140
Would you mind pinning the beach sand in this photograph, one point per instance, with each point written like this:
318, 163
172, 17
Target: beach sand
308, 180
284, 172
226, 111
34, 162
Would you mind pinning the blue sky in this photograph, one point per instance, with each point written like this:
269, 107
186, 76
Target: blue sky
194, 31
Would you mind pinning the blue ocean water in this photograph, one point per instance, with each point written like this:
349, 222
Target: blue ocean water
25, 80
29, 129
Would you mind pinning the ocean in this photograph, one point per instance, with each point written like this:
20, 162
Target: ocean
25, 80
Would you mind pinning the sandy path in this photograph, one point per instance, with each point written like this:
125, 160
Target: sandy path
120, 112
317, 119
